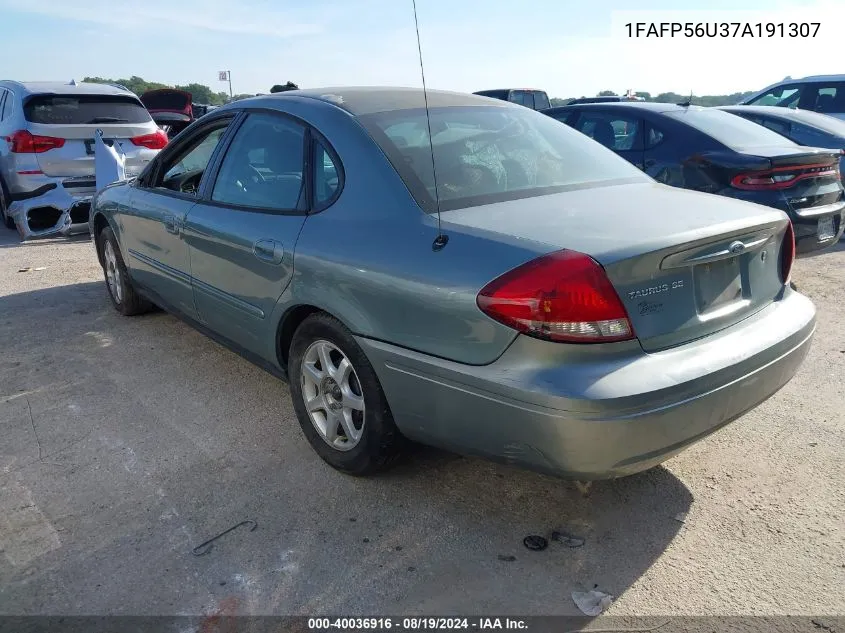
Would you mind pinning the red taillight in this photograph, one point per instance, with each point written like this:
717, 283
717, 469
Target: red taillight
156, 140
23, 142
787, 253
782, 177
563, 296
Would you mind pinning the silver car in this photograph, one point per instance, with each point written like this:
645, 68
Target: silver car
539, 300
821, 93
47, 150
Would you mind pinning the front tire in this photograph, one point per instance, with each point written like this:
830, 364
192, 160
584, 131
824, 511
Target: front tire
122, 293
338, 399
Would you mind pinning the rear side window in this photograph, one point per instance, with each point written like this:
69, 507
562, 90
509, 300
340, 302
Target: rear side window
618, 132
84, 109
654, 137
4, 97
824, 98
541, 101
728, 129
326, 176
518, 96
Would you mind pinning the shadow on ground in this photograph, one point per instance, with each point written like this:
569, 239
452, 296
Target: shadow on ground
129, 441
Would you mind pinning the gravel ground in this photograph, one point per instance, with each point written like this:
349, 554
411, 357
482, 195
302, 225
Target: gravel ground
128, 441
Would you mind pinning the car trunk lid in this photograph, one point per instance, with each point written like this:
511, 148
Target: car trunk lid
684, 264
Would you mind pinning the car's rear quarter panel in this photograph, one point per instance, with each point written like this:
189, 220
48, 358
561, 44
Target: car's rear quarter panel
368, 260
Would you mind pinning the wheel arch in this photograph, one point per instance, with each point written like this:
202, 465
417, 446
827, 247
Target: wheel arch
100, 222
290, 321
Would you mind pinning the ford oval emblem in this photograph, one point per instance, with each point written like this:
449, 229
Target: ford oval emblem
736, 247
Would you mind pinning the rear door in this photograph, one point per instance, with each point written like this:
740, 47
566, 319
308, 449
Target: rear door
823, 97
616, 129
75, 118
243, 234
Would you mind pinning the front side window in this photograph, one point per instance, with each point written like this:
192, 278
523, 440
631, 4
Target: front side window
183, 170
486, 154
782, 96
263, 166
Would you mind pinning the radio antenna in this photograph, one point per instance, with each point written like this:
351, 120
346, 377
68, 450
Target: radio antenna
441, 240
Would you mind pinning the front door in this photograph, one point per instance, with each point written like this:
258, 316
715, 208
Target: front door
243, 234
161, 201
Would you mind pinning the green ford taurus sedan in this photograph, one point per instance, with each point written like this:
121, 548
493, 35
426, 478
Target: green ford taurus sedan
469, 274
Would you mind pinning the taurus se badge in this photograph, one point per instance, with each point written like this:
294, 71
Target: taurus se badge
653, 290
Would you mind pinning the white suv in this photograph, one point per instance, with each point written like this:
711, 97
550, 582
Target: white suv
822, 93
47, 150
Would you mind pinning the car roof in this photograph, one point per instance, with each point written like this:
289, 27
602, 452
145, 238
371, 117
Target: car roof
829, 124
359, 101
27, 88
654, 106
814, 78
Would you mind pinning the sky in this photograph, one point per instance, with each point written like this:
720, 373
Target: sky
569, 48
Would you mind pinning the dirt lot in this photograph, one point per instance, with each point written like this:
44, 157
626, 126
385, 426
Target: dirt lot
125, 442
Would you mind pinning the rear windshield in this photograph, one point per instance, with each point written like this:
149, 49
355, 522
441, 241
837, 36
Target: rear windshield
84, 109
167, 100
823, 122
541, 101
731, 131
486, 154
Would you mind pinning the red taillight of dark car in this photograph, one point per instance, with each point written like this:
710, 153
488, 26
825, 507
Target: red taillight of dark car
24, 142
787, 254
156, 140
782, 177
564, 296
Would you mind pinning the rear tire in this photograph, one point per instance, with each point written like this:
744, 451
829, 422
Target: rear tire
8, 222
338, 399
122, 293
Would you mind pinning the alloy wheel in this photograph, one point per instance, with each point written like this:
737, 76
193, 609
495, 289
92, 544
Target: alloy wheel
333, 395
113, 272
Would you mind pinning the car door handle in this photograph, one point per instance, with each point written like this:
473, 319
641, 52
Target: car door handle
269, 251
650, 163
171, 224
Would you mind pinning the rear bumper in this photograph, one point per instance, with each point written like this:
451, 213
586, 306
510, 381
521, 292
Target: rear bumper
806, 226
595, 412
56, 206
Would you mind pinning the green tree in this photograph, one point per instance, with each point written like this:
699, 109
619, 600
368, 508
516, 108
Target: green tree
606, 93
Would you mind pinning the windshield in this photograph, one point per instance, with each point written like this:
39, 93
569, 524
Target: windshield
731, 131
488, 154
84, 109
